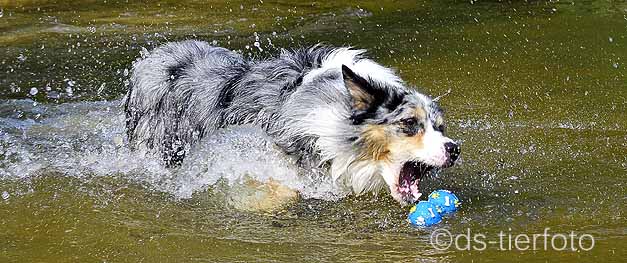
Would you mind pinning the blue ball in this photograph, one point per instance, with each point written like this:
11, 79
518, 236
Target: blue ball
444, 201
424, 214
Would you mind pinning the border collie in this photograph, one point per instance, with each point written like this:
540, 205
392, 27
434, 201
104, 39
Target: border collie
330, 107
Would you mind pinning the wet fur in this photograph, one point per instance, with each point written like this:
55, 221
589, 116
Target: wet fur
330, 107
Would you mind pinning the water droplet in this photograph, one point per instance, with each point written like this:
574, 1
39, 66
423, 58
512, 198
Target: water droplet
5, 195
258, 45
118, 141
68, 89
53, 95
33, 91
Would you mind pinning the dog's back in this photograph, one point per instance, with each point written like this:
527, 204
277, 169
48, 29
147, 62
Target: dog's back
175, 89
184, 90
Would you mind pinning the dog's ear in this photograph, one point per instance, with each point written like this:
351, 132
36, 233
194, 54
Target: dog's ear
362, 93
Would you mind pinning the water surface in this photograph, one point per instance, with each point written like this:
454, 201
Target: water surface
538, 96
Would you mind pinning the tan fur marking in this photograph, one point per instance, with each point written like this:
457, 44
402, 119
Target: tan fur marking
376, 140
361, 98
380, 145
406, 144
420, 113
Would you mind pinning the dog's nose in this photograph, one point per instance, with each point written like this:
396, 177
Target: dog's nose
453, 151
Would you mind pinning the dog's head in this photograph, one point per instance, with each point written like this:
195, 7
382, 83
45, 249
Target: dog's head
401, 130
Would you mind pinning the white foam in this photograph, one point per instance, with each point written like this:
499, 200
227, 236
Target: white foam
79, 139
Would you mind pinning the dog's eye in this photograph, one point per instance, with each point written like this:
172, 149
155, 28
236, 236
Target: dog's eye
411, 126
408, 122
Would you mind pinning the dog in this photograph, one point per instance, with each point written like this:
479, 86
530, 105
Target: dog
331, 107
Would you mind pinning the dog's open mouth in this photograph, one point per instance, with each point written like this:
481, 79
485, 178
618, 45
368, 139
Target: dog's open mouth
409, 179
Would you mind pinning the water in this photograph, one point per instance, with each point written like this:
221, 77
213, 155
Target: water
537, 96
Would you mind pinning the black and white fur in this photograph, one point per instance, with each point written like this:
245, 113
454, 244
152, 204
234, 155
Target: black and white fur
331, 107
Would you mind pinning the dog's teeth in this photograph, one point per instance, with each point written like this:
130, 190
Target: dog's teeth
414, 190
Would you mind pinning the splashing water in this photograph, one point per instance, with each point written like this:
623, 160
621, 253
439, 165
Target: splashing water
88, 139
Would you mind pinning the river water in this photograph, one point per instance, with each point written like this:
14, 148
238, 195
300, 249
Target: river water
538, 97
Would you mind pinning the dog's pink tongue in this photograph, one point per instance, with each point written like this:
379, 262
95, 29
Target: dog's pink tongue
414, 190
